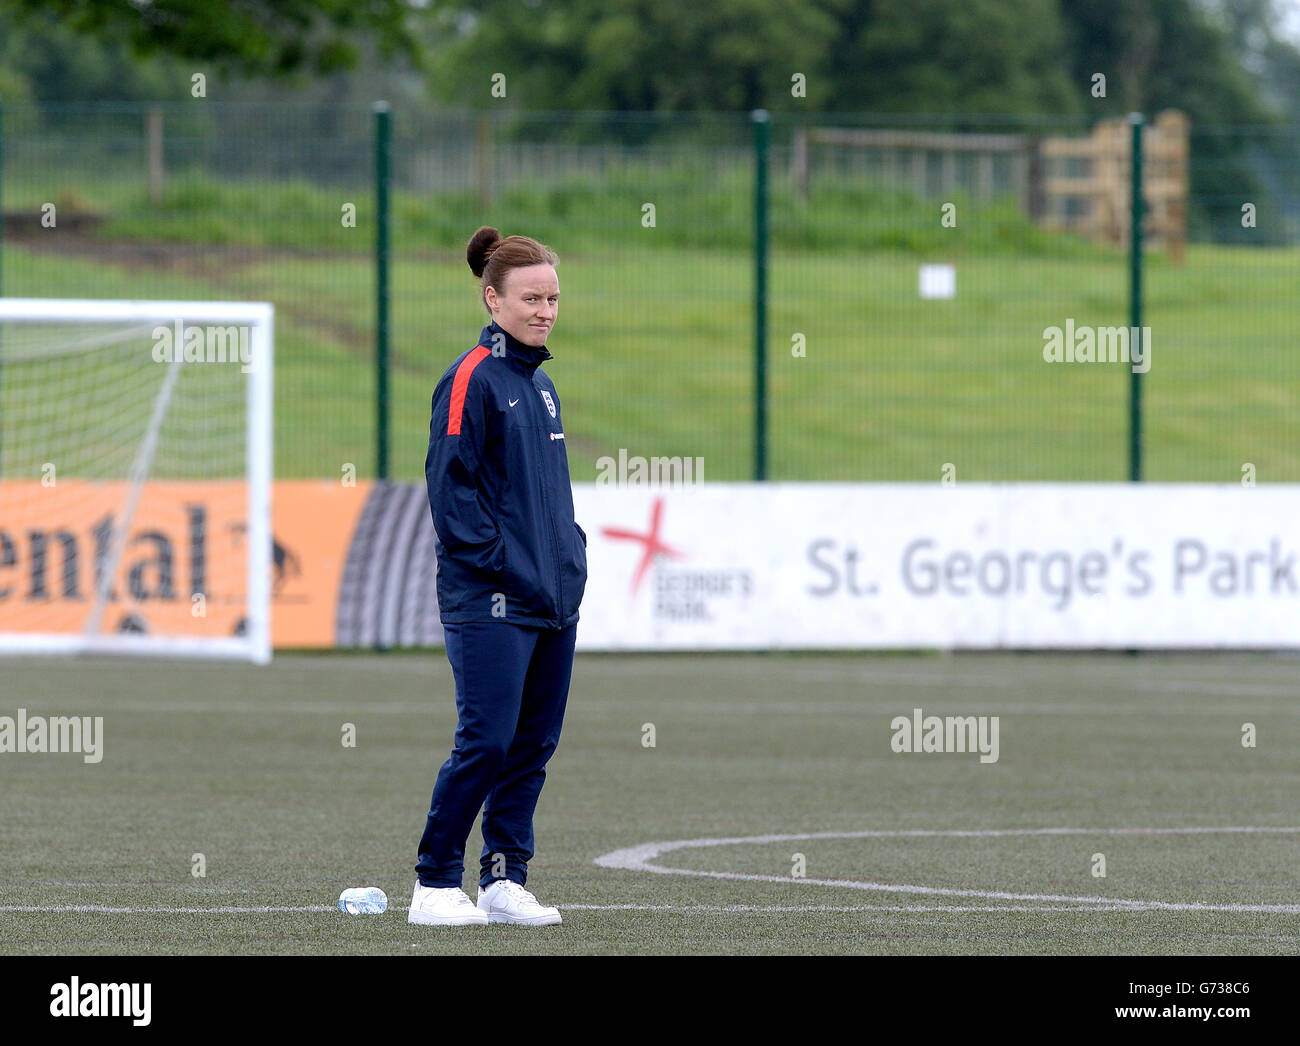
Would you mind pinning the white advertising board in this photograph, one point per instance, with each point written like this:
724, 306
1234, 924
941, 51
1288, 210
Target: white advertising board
818, 566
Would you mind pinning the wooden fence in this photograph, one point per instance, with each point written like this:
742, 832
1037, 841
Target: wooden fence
1075, 183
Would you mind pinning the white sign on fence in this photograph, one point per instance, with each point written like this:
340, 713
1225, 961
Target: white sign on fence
783, 565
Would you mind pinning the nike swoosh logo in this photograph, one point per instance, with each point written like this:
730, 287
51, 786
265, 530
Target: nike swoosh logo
513, 402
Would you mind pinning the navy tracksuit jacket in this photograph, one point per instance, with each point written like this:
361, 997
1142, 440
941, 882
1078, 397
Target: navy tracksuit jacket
498, 478
512, 568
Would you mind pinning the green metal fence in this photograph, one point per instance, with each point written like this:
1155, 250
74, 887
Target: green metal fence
742, 291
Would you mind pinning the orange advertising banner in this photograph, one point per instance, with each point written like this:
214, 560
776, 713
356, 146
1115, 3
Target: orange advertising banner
182, 569
313, 526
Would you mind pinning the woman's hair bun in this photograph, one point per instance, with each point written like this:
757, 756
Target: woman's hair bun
480, 246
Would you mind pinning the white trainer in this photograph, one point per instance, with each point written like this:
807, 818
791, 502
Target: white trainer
505, 901
433, 906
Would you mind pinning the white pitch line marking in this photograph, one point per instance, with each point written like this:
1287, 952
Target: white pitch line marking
638, 859
104, 909
861, 908
683, 909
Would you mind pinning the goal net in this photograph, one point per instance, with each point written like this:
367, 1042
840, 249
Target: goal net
135, 478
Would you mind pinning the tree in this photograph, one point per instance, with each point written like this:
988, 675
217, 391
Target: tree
677, 55
934, 56
668, 55
1159, 54
1254, 28
1170, 54
247, 36
47, 61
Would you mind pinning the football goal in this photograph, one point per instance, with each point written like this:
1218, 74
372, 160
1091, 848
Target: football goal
135, 478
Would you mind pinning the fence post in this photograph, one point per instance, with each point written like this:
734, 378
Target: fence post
2, 198
483, 165
799, 162
383, 133
1135, 301
762, 140
2, 254
154, 153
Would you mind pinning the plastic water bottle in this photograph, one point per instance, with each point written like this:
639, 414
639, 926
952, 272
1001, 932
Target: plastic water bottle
363, 900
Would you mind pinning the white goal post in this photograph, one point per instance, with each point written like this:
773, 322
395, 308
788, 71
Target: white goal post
135, 477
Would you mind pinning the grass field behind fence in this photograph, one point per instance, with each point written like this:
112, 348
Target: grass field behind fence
654, 353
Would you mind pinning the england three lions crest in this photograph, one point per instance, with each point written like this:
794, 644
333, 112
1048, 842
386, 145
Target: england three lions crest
550, 403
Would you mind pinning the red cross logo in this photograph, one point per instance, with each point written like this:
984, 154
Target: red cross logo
653, 546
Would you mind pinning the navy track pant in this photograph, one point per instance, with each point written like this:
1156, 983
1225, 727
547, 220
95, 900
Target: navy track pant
512, 684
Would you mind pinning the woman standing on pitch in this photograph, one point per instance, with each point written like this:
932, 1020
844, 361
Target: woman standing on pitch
512, 567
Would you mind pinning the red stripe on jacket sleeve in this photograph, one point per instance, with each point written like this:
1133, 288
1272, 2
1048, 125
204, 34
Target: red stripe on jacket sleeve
460, 385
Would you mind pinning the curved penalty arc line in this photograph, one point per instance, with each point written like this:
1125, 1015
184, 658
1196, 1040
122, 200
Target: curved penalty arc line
640, 858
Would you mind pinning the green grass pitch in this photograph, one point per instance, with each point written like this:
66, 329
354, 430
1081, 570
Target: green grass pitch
247, 767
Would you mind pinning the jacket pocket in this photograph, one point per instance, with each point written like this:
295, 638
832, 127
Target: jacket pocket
574, 570
528, 580
501, 553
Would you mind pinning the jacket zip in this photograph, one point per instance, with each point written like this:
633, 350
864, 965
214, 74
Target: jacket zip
555, 537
